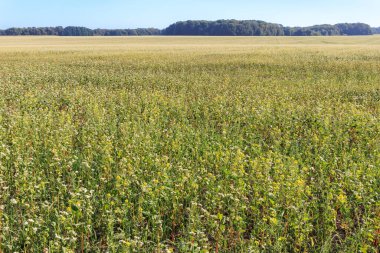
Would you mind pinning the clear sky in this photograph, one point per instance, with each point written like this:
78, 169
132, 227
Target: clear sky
161, 13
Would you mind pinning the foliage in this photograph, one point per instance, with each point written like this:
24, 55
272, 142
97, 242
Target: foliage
261, 28
127, 32
189, 144
78, 31
354, 29
205, 28
224, 28
376, 30
33, 31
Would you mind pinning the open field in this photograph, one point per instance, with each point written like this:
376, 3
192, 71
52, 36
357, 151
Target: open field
190, 144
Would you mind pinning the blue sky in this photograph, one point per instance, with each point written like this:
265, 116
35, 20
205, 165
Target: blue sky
161, 13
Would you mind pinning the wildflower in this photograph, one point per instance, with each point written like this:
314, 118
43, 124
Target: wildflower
342, 198
126, 243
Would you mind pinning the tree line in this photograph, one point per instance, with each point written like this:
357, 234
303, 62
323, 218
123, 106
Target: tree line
78, 31
376, 30
261, 28
205, 28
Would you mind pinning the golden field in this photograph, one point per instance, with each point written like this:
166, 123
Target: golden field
190, 144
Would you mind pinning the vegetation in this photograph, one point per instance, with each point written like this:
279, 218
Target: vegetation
205, 28
79, 31
261, 28
376, 30
330, 30
225, 28
127, 32
33, 31
76, 31
189, 144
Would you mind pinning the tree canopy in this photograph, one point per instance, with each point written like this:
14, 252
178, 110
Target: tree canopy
376, 30
127, 32
261, 28
78, 31
205, 28
224, 28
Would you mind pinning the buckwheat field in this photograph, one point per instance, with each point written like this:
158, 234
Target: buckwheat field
190, 144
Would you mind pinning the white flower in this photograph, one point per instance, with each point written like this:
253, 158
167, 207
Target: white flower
13, 201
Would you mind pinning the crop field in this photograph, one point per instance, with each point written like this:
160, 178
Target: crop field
190, 144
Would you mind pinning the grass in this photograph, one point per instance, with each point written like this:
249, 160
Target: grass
190, 144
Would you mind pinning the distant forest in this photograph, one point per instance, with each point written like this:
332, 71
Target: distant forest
376, 30
261, 28
78, 31
204, 28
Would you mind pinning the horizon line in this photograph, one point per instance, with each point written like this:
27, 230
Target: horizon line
295, 26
